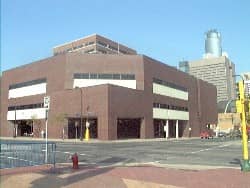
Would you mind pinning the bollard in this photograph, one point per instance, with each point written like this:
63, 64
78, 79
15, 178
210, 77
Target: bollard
75, 161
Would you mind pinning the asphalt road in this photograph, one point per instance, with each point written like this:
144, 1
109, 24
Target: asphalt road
216, 152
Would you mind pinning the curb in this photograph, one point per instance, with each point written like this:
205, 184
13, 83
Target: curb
96, 140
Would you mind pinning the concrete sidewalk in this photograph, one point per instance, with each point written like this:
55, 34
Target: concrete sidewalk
118, 177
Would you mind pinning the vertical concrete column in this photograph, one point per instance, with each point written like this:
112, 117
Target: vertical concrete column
167, 129
177, 129
143, 128
16, 133
103, 130
147, 130
113, 128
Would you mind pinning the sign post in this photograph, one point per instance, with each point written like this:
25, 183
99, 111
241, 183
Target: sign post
46, 106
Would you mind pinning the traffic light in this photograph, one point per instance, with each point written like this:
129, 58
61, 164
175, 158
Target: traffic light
237, 91
241, 90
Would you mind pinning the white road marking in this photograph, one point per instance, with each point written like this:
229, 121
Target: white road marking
15, 158
207, 149
67, 152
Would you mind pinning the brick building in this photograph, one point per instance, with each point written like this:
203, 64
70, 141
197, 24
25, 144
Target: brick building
120, 95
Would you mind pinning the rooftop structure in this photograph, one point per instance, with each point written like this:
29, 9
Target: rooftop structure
213, 44
93, 44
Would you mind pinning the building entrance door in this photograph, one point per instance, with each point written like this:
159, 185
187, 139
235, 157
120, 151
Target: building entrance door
24, 129
128, 128
74, 127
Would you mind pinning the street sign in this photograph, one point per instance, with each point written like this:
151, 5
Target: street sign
46, 102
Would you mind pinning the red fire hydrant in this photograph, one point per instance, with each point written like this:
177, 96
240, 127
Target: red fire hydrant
75, 161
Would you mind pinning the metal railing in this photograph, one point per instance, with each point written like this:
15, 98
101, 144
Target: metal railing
20, 154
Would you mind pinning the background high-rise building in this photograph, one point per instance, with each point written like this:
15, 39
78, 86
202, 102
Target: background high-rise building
215, 67
246, 77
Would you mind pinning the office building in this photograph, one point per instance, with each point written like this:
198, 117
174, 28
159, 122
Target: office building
120, 96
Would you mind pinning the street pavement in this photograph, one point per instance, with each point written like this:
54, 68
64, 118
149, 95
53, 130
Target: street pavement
185, 152
138, 163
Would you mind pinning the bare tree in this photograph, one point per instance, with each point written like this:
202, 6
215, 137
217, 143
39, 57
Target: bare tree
36, 125
61, 118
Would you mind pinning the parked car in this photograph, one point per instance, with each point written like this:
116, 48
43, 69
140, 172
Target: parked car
235, 134
206, 135
222, 134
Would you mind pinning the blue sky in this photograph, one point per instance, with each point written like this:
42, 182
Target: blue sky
166, 30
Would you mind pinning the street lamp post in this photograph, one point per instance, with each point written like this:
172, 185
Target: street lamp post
15, 129
246, 162
81, 135
76, 125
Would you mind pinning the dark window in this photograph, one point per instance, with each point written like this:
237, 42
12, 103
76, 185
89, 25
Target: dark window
102, 43
105, 76
81, 75
10, 108
128, 77
80, 46
24, 107
90, 50
122, 51
28, 83
156, 105
102, 51
172, 107
169, 84
113, 48
92, 42
116, 76
93, 76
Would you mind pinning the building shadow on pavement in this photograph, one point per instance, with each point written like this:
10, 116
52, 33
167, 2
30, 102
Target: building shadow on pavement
61, 176
56, 178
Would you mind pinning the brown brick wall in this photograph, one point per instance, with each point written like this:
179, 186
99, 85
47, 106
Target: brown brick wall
108, 102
